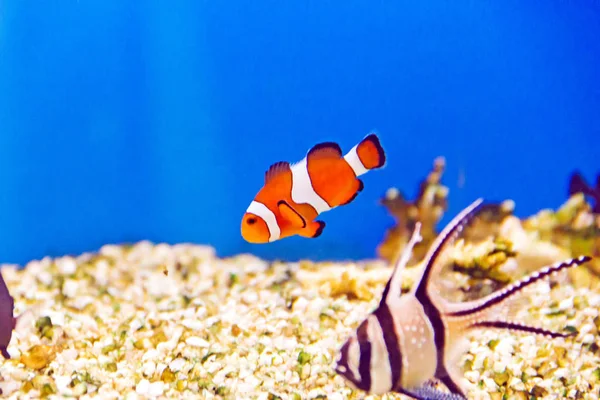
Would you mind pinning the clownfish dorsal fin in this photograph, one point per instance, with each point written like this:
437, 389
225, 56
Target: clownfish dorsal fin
291, 215
276, 169
447, 236
329, 150
393, 288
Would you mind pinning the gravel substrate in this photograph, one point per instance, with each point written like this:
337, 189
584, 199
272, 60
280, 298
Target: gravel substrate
159, 321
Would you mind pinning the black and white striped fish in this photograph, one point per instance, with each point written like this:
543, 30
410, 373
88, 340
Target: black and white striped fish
410, 341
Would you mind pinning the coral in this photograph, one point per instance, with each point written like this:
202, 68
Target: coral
488, 222
496, 251
578, 184
501, 258
575, 228
485, 261
428, 208
500, 247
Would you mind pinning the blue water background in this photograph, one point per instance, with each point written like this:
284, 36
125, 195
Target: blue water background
122, 121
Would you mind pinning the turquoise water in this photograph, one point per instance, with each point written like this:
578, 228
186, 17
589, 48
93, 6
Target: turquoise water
128, 121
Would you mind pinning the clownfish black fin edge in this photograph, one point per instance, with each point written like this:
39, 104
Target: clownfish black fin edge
325, 150
313, 230
361, 186
381, 159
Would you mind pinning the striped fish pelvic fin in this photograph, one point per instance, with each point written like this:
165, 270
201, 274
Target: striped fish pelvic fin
444, 239
498, 310
429, 392
393, 287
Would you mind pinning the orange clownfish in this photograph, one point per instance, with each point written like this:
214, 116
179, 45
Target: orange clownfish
294, 195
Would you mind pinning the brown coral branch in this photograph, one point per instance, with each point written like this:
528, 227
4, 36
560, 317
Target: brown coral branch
428, 208
545, 237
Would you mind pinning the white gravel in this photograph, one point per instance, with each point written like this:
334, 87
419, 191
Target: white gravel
159, 321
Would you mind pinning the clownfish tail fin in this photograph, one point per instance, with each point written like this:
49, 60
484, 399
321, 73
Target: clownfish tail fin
366, 155
370, 152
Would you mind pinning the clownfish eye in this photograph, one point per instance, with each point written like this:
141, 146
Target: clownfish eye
251, 221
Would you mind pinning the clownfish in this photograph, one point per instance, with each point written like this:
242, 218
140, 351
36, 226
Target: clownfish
412, 340
294, 195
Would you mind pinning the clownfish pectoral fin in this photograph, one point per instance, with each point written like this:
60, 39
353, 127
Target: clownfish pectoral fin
313, 230
361, 186
276, 169
329, 150
291, 215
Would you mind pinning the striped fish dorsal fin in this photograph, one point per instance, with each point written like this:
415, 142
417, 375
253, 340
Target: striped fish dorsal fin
276, 169
447, 236
393, 287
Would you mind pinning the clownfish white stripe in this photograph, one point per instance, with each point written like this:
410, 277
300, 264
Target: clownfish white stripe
302, 188
354, 161
259, 209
